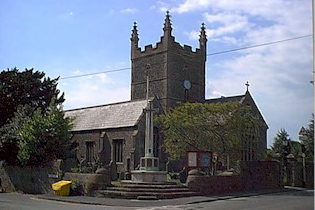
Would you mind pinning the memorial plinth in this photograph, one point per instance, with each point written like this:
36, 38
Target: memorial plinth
142, 176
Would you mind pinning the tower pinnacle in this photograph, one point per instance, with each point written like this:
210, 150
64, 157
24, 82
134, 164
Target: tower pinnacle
203, 36
134, 36
134, 40
203, 40
167, 25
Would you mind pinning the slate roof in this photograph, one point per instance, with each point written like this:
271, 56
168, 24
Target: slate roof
239, 98
124, 114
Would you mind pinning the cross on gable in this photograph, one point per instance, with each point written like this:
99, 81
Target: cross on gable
247, 85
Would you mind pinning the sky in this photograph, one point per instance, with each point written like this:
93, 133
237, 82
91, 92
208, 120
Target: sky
69, 38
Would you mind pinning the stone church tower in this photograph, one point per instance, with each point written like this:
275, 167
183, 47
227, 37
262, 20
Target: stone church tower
176, 73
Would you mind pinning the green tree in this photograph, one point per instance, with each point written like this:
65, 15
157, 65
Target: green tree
216, 127
44, 137
281, 142
309, 142
29, 87
9, 134
33, 128
36, 137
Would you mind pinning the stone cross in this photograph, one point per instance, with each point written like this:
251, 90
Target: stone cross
149, 111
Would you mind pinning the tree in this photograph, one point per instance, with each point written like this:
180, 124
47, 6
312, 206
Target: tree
284, 145
9, 134
37, 138
309, 142
29, 87
281, 142
33, 128
219, 127
44, 137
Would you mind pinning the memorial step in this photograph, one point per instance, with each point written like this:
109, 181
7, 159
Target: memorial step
137, 195
140, 189
145, 191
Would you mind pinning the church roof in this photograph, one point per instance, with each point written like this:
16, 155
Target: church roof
124, 114
223, 99
240, 99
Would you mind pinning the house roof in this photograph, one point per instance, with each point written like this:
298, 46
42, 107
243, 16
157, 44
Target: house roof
124, 114
303, 132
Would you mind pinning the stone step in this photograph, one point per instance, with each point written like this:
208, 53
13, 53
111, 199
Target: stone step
144, 195
140, 189
148, 184
132, 186
145, 191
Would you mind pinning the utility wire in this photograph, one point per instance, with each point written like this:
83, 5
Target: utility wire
259, 45
84, 75
210, 54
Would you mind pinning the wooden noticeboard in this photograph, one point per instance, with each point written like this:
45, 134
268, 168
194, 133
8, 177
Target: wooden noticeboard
199, 159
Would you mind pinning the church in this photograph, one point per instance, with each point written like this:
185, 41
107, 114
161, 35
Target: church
116, 132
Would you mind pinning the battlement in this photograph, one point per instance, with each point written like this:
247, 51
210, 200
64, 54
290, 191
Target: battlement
161, 46
167, 43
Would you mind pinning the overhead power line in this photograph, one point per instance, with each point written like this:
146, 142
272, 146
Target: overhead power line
210, 54
259, 45
91, 74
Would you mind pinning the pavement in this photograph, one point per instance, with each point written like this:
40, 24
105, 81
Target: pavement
176, 201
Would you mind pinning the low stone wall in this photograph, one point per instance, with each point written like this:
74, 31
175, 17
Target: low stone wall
309, 168
214, 184
254, 175
32, 180
90, 182
258, 175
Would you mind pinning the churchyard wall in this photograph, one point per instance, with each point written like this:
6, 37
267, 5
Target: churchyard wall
254, 175
31, 180
90, 182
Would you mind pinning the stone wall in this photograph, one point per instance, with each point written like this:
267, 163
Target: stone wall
298, 175
309, 167
207, 185
90, 182
258, 175
32, 180
254, 175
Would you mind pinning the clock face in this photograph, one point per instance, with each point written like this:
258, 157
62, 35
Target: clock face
187, 84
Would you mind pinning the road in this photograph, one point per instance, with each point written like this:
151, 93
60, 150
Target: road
301, 200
